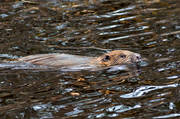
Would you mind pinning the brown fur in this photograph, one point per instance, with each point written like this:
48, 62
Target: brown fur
116, 57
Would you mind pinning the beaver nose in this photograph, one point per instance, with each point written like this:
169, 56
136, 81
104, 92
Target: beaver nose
138, 57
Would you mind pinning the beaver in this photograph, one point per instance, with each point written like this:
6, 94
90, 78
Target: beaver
116, 57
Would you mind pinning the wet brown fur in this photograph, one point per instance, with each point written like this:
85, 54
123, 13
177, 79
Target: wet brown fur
116, 57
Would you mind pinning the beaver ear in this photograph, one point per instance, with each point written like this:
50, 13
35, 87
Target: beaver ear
106, 58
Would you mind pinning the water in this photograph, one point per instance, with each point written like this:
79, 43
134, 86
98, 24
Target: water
90, 28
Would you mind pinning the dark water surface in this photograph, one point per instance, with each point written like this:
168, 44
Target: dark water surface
90, 28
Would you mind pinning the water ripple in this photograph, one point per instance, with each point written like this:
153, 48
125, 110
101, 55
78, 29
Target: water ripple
167, 116
122, 108
142, 91
129, 36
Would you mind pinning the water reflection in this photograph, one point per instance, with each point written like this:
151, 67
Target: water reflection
144, 90
167, 116
90, 28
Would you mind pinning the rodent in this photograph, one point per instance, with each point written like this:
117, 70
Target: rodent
116, 57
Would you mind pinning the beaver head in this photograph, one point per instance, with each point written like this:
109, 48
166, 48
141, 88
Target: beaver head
119, 57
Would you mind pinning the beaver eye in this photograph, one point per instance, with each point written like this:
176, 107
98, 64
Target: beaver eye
106, 58
122, 56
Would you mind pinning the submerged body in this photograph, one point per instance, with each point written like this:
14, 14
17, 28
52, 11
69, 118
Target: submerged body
56, 60
117, 57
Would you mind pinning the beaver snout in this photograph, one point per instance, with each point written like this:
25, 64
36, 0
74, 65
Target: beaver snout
136, 58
